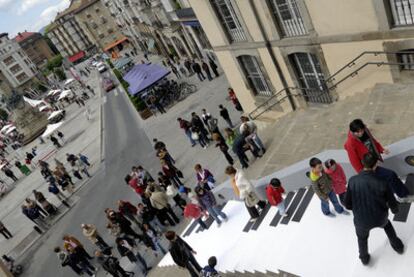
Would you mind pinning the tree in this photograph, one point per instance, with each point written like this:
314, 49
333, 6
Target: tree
3, 114
60, 74
54, 62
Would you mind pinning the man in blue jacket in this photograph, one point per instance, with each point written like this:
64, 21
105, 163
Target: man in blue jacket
370, 197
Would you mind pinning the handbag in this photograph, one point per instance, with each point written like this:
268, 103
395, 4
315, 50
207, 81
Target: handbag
195, 136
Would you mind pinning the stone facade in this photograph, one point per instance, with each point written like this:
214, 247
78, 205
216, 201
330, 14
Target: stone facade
266, 46
35, 47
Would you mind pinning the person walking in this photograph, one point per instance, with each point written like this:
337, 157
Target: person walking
111, 265
369, 197
183, 254
84, 159
67, 259
213, 66
148, 215
206, 69
186, 126
205, 178
91, 233
234, 100
5, 232
153, 239
23, 168
208, 202
197, 69
9, 173
274, 191
126, 248
61, 136
159, 200
221, 144
188, 66
245, 190
322, 186
52, 188
224, 113
196, 122
338, 177
175, 71
359, 142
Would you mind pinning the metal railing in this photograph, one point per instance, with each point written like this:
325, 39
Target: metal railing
276, 98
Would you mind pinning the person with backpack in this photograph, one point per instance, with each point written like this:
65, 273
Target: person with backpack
209, 270
111, 265
274, 191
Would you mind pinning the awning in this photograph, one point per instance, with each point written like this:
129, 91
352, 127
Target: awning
77, 56
51, 128
65, 94
32, 102
54, 114
115, 43
68, 81
143, 76
194, 23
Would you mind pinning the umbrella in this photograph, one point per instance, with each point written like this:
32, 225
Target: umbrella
11, 129
6, 127
68, 81
64, 94
143, 76
54, 114
33, 102
51, 128
53, 92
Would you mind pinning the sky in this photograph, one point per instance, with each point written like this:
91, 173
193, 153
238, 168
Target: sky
31, 15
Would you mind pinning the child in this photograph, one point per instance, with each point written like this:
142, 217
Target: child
154, 242
194, 211
338, 177
210, 271
322, 185
274, 191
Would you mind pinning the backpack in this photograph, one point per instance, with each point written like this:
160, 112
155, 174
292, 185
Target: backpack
209, 272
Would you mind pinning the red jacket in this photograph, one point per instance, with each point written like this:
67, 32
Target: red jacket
356, 150
274, 195
133, 183
192, 211
338, 179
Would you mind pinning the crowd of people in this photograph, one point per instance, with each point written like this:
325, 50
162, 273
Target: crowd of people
188, 68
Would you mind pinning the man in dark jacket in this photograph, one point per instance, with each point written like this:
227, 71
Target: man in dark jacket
183, 254
369, 197
224, 113
125, 248
198, 123
111, 265
197, 69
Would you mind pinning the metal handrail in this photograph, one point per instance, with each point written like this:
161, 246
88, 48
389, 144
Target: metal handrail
322, 91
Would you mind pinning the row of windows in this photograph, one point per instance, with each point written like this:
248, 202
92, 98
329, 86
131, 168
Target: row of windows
289, 19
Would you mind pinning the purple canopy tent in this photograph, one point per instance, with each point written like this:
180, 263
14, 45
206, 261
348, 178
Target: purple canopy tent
143, 76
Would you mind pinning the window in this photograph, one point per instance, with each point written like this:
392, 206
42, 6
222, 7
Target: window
403, 12
15, 68
407, 59
254, 75
9, 60
21, 77
228, 18
287, 14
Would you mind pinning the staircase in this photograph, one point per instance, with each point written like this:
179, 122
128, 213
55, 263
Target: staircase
175, 271
323, 94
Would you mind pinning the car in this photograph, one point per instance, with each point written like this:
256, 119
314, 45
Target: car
108, 85
101, 68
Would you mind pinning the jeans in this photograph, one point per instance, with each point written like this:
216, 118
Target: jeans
242, 158
188, 134
363, 234
192, 266
325, 204
215, 213
281, 207
228, 157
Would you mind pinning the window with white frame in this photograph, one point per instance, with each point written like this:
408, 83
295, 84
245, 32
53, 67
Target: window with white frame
288, 16
402, 12
229, 20
254, 75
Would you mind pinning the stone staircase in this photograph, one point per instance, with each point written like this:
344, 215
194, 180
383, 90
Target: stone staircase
175, 271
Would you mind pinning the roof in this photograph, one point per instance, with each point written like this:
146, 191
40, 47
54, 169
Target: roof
77, 56
74, 5
3, 35
23, 36
115, 43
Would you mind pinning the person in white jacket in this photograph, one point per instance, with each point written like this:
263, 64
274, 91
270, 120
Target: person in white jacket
244, 189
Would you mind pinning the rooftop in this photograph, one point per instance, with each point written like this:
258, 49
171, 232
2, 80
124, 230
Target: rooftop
3, 35
23, 36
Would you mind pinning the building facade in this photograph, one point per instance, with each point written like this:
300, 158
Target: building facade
35, 47
324, 50
16, 67
67, 34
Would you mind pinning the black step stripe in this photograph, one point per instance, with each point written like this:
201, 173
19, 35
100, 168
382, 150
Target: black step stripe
210, 220
191, 228
293, 206
304, 205
261, 217
402, 215
277, 217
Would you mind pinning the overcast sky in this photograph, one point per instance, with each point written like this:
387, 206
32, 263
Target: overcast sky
31, 15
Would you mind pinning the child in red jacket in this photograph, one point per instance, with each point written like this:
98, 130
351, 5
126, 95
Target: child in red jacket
274, 192
338, 177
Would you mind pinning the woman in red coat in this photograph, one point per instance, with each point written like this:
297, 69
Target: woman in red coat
359, 142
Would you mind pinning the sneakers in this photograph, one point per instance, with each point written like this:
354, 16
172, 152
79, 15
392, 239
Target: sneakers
398, 246
204, 147
218, 225
345, 212
285, 214
253, 219
330, 215
225, 219
365, 260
